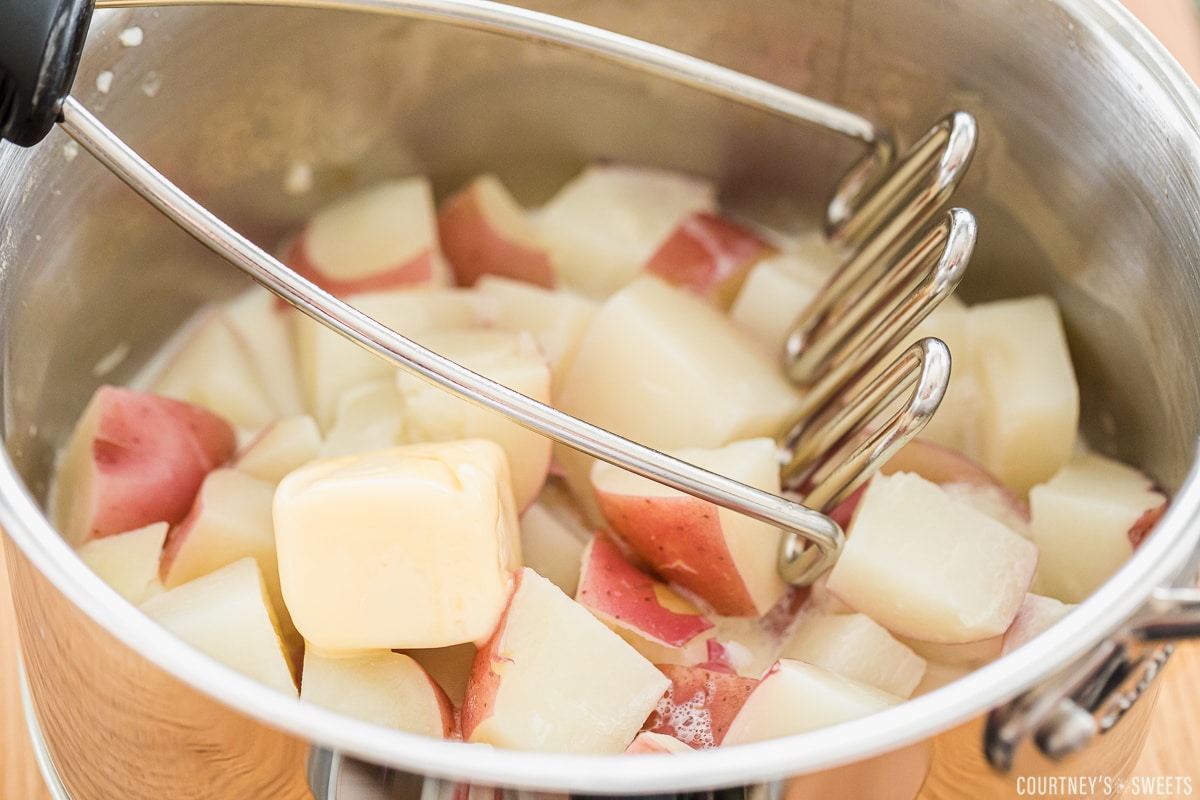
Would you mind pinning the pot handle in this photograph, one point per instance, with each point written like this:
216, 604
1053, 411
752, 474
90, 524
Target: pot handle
40, 44
1064, 715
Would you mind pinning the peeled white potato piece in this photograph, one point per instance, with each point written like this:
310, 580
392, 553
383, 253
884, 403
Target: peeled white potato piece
281, 447
329, 365
262, 322
794, 697
213, 369
553, 678
228, 616
1081, 523
369, 417
605, 223
230, 520
771, 299
382, 687
856, 646
1028, 400
552, 546
929, 567
128, 562
364, 540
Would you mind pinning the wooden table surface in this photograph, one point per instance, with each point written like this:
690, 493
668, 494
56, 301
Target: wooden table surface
1173, 747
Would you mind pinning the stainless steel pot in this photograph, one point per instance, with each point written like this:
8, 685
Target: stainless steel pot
1086, 185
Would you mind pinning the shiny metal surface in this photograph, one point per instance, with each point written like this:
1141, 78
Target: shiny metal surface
1099, 213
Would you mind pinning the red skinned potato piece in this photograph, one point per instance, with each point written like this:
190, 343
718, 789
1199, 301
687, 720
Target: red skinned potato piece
483, 231
620, 594
648, 742
700, 704
553, 678
133, 459
726, 559
1145, 524
1036, 615
383, 237
709, 255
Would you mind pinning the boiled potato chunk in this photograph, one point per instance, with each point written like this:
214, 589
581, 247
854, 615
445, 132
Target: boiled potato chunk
624, 597
214, 369
281, 447
603, 225
128, 562
380, 237
728, 559
930, 567
228, 616
553, 678
408, 547
484, 231
794, 697
134, 459
1028, 400
856, 646
661, 366
557, 319
386, 688
1081, 523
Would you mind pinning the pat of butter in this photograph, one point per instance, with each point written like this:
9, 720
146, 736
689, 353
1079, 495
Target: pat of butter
403, 548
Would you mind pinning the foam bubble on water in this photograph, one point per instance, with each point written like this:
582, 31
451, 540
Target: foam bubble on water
691, 718
104, 81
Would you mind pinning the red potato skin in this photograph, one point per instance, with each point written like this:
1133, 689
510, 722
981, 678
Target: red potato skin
150, 455
449, 718
680, 538
484, 683
710, 256
693, 690
418, 271
1145, 524
475, 247
612, 588
643, 744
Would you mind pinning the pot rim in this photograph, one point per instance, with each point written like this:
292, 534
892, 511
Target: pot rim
1157, 563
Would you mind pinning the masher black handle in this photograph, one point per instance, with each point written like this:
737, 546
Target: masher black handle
40, 44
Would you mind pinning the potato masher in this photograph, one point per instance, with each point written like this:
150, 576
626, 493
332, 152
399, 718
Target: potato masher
895, 274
